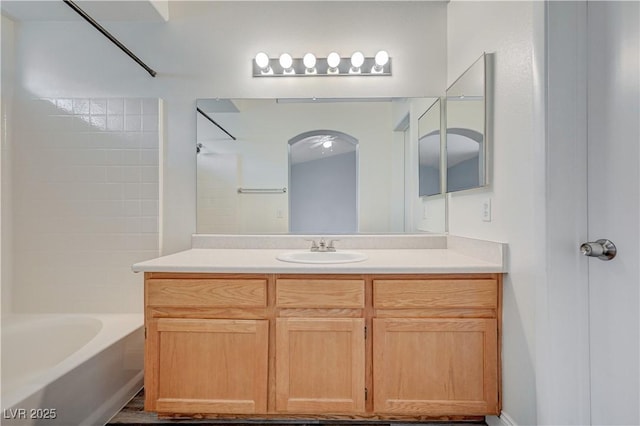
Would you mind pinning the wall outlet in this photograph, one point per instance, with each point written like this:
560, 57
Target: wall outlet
486, 210
279, 214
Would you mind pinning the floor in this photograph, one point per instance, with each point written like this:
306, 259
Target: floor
133, 414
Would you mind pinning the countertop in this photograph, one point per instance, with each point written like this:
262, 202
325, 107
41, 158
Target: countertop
230, 260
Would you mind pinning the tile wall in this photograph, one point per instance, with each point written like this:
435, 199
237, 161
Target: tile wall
85, 203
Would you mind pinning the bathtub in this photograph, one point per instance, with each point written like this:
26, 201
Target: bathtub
69, 369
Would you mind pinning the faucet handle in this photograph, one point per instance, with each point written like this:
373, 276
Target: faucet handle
330, 246
314, 244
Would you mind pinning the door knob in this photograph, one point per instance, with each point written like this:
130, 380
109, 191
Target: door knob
602, 249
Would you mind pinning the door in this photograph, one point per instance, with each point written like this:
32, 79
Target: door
613, 138
441, 366
211, 365
320, 365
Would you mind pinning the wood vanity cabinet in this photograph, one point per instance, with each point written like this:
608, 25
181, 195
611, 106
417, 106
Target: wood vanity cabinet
435, 345
207, 344
320, 350
342, 346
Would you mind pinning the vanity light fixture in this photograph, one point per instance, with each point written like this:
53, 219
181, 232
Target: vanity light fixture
333, 65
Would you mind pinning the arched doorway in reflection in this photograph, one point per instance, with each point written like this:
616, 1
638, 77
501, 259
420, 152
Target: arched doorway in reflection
323, 183
465, 159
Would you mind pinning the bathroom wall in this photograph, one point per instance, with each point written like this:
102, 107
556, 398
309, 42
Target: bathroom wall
506, 29
6, 130
205, 50
85, 202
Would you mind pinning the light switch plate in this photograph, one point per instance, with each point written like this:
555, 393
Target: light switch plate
486, 210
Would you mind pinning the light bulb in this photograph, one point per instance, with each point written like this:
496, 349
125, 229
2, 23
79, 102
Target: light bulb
309, 60
286, 61
333, 60
357, 59
382, 57
262, 60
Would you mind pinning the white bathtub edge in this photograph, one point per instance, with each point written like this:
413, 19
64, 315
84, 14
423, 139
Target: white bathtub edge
113, 405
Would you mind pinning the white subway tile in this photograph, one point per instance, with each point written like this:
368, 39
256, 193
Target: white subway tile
150, 174
149, 191
131, 208
133, 225
91, 174
81, 193
132, 123
98, 107
131, 174
82, 123
115, 106
107, 208
114, 174
131, 191
98, 123
115, 123
131, 157
131, 140
149, 123
65, 106
150, 225
149, 157
133, 106
81, 106
110, 191
113, 157
150, 208
149, 140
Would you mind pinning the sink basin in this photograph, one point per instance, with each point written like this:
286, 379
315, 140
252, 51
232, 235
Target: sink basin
322, 256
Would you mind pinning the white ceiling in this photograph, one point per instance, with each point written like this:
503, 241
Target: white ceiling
100, 10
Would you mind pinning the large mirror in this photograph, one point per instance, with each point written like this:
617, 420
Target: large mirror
466, 120
319, 166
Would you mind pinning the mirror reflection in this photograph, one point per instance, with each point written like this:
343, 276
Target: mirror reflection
466, 130
321, 166
429, 151
323, 182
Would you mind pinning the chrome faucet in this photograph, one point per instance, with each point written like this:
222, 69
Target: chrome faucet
322, 246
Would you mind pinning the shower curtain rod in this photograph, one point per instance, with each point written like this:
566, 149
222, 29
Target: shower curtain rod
214, 122
108, 35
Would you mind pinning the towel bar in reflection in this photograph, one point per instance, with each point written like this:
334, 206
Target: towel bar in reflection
262, 190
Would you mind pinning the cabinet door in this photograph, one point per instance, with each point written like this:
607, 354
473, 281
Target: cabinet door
435, 366
320, 365
210, 366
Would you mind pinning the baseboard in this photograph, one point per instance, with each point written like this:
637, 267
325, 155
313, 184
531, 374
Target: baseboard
503, 420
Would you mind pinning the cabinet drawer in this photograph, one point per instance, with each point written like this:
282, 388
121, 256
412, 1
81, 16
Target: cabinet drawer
320, 293
219, 293
399, 294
